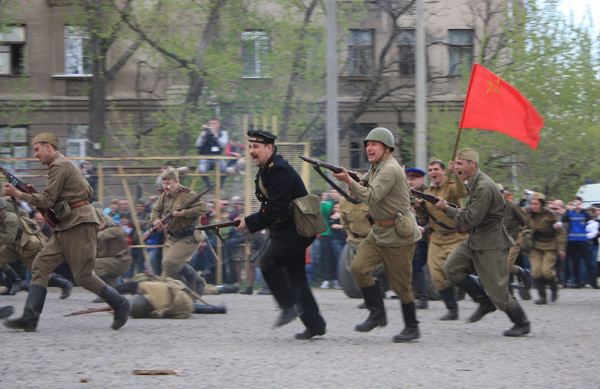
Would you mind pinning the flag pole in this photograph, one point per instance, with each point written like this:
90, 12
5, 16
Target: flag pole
454, 151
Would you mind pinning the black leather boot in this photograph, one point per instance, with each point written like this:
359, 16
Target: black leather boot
211, 309
248, 290
553, 288
6, 311
289, 314
448, 296
517, 316
17, 283
374, 303
540, 283
421, 299
118, 303
309, 334
32, 311
525, 276
477, 293
411, 324
192, 279
61, 282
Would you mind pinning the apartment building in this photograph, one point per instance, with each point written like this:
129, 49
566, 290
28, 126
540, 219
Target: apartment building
46, 68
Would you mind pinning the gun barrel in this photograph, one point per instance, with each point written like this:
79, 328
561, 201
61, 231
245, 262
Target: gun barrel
206, 227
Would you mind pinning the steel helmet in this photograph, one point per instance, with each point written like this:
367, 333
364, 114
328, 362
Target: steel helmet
140, 307
382, 135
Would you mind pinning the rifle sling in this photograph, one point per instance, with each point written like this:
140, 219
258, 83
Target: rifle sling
336, 187
436, 221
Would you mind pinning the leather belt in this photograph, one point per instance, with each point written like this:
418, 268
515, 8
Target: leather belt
446, 233
386, 223
78, 204
182, 233
357, 236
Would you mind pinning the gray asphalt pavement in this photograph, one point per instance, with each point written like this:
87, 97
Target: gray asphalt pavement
241, 350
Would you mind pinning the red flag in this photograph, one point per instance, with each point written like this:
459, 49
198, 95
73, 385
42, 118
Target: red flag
495, 105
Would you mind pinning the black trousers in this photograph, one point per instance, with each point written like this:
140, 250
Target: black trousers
283, 268
577, 251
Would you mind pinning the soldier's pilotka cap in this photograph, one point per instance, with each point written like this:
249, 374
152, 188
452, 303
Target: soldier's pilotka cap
45, 137
170, 173
261, 137
415, 172
468, 154
434, 160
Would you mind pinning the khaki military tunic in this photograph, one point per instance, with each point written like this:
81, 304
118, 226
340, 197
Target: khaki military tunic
513, 221
113, 258
445, 237
484, 252
168, 298
547, 238
387, 196
182, 242
74, 237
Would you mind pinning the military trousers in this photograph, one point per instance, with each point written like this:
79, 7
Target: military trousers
111, 268
283, 266
513, 253
489, 265
542, 263
397, 264
77, 246
176, 253
436, 257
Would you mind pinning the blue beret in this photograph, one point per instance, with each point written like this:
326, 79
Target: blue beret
413, 171
261, 137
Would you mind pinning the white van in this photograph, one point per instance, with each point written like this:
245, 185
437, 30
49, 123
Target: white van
590, 194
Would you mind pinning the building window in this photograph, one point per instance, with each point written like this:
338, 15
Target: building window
358, 155
406, 52
12, 51
255, 49
13, 144
460, 50
77, 140
78, 53
360, 47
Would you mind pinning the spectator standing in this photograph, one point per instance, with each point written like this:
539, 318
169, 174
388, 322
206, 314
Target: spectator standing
212, 141
235, 149
113, 209
577, 218
591, 229
338, 240
87, 168
326, 254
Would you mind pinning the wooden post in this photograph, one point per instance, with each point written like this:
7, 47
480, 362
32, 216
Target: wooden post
136, 221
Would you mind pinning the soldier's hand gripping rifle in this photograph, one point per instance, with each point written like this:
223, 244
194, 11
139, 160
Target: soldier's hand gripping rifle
429, 197
165, 219
317, 165
49, 215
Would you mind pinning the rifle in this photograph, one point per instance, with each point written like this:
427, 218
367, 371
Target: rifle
103, 309
165, 219
49, 215
216, 226
332, 167
430, 198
